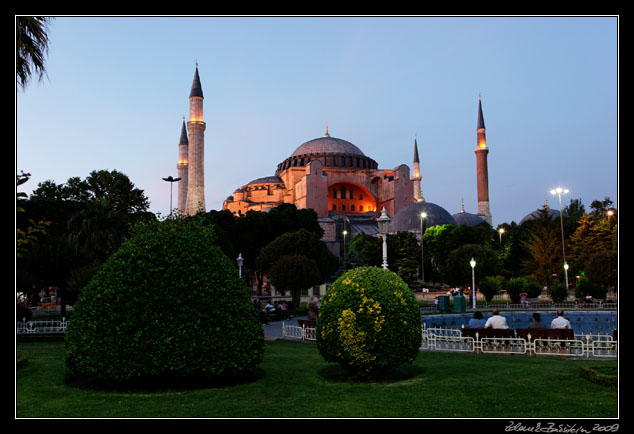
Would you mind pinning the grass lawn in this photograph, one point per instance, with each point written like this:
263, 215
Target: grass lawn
294, 381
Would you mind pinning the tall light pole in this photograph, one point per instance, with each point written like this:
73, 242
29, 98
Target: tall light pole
559, 191
384, 228
501, 231
171, 181
472, 262
240, 261
345, 232
422, 258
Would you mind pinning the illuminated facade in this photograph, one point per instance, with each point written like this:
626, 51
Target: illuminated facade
482, 170
183, 168
416, 178
192, 155
332, 176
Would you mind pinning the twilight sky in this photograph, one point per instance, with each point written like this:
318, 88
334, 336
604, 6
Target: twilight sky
117, 89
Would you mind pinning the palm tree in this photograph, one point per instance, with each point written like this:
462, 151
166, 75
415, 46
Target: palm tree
97, 230
31, 47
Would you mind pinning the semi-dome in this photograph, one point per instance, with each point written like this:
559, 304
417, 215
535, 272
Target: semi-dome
408, 218
267, 180
327, 145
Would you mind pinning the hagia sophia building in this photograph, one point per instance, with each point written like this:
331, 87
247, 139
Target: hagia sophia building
343, 185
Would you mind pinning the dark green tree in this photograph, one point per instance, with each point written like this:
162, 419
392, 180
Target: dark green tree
490, 287
294, 273
299, 243
458, 269
602, 268
86, 227
368, 249
544, 248
248, 234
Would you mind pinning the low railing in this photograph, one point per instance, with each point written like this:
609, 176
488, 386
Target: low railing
542, 305
303, 332
509, 342
41, 326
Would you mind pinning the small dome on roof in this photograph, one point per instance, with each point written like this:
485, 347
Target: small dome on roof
553, 213
467, 219
408, 218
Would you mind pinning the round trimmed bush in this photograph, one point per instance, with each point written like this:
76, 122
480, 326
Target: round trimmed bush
168, 303
369, 322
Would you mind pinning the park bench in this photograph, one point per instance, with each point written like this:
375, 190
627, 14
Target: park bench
488, 333
558, 342
534, 333
492, 340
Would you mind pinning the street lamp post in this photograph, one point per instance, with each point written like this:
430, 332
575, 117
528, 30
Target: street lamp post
422, 258
240, 261
472, 262
501, 231
345, 232
384, 227
559, 191
171, 181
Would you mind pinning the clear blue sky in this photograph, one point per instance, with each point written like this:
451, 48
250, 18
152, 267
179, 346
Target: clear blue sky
118, 87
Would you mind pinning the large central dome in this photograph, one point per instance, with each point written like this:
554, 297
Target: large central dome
327, 145
332, 152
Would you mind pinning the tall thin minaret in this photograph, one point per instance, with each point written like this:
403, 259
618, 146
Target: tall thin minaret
196, 150
418, 194
182, 168
481, 152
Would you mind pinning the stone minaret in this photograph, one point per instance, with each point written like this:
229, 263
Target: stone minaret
182, 168
481, 152
418, 195
196, 150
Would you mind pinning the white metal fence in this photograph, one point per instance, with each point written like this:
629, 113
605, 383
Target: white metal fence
41, 327
579, 346
439, 339
453, 340
566, 305
298, 332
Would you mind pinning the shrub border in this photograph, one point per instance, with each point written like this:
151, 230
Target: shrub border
592, 374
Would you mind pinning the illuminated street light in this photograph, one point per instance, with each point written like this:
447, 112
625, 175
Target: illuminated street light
501, 231
384, 228
345, 232
472, 262
240, 261
559, 191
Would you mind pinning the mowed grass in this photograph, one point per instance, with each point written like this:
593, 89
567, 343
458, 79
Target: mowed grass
294, 381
